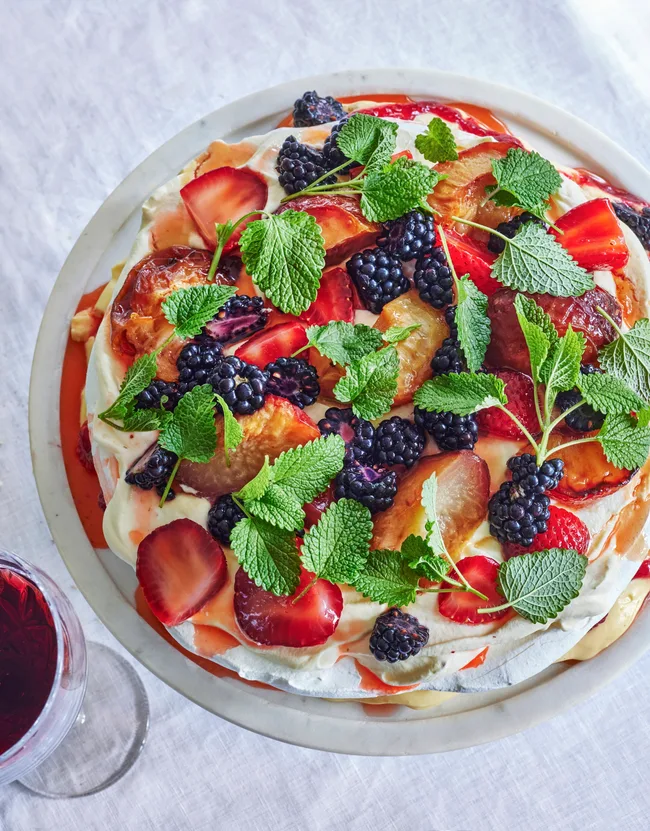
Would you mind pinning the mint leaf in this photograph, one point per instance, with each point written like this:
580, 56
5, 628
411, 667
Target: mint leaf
278, 507
396, 189
344, 343
387, 578
257, 485
438, 143
138, 377
396, 334
538, 586
533, 261
285, 255
268, 555
336, 548
421, 558
428, 502
473, 322
628, 358
368, 140
461, 393
608, 394
191, 308
525, 179
142, 421
538, 330
232, 430
191, 432
561, 369
306, 471
625, 442
370, 383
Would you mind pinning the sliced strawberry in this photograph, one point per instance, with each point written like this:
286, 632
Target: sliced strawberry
315, 509
333, 301
521, 403
587, 473
84, 449
276, 621
593, 236
223, 194
462, 607
279, 341
565, 530
470, 257
180, 567
644, 570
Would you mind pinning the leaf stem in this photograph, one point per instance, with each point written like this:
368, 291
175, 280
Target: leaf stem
518, 423
316, 183
168, 486
482, 228
494, 609
222, 239
240, 504
607, 317
302, 349
307, 588
559, 447
564, 414
538, 409
445, 247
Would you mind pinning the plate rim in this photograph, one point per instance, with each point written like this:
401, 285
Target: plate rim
239, 703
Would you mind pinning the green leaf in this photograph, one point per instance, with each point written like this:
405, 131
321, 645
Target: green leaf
473, 322
285, 255
306, 471
608, 394
138, 377
191, 432
336, 548
388, 578
561, 368
232, 430
344, 343
625, 442
421, 558
191, 308
538, 330
396, 334
370, 383
258, 484
538, 586
437, 144
268, 555
368, 140
525, 178
428, 502
142, 421
462, 393
279, 507
628, 358
396, 189
533, 261
643, 417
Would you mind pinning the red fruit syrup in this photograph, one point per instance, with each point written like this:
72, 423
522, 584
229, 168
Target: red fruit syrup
27, 656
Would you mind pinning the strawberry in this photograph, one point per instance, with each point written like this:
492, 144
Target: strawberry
333, 301
469, 257
279, 341
84, 450
222, 194
565, 530
317, 507
644, 570
462, 607
521, 403
593, 236
180, 567
277, 621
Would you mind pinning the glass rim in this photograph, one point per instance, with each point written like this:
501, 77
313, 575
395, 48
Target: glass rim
34, 575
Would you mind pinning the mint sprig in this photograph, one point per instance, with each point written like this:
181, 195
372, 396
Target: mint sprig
628, 357
387, 578
138, 377
233, 433
437, 144
625, 441
189, 309
422, 558
461, 393
396, 189
370, 384
525, 179
397, 334
269, 555
343, 343
368, 140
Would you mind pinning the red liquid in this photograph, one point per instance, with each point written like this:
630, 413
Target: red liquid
27, 656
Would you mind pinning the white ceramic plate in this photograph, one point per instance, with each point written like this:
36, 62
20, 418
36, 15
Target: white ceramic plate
108, 583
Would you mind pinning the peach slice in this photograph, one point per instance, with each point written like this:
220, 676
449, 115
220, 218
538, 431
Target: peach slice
463, 491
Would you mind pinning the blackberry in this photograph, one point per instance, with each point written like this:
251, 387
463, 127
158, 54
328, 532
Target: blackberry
378, 277
450, 432
152, 469
510, 228
240, 317
398, 442
293, 379
371, 486
331, 153
535, 479
397, 636
357, 433
516, 515
408, 237
449, 357
197, 362
241, 385
433, 279
152, 396
585, 418
299, 165
222, 518
638, 221
310, 109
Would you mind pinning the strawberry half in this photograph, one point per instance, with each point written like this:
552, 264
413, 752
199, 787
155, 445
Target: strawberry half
462, 607
315, 509
644, 570
593, 236
223, 194
276, 621
333, 301
521, 403
565, 530
471, 258
279, 341
180, 567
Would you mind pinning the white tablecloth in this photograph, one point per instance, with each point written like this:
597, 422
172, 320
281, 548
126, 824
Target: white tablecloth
88, 88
